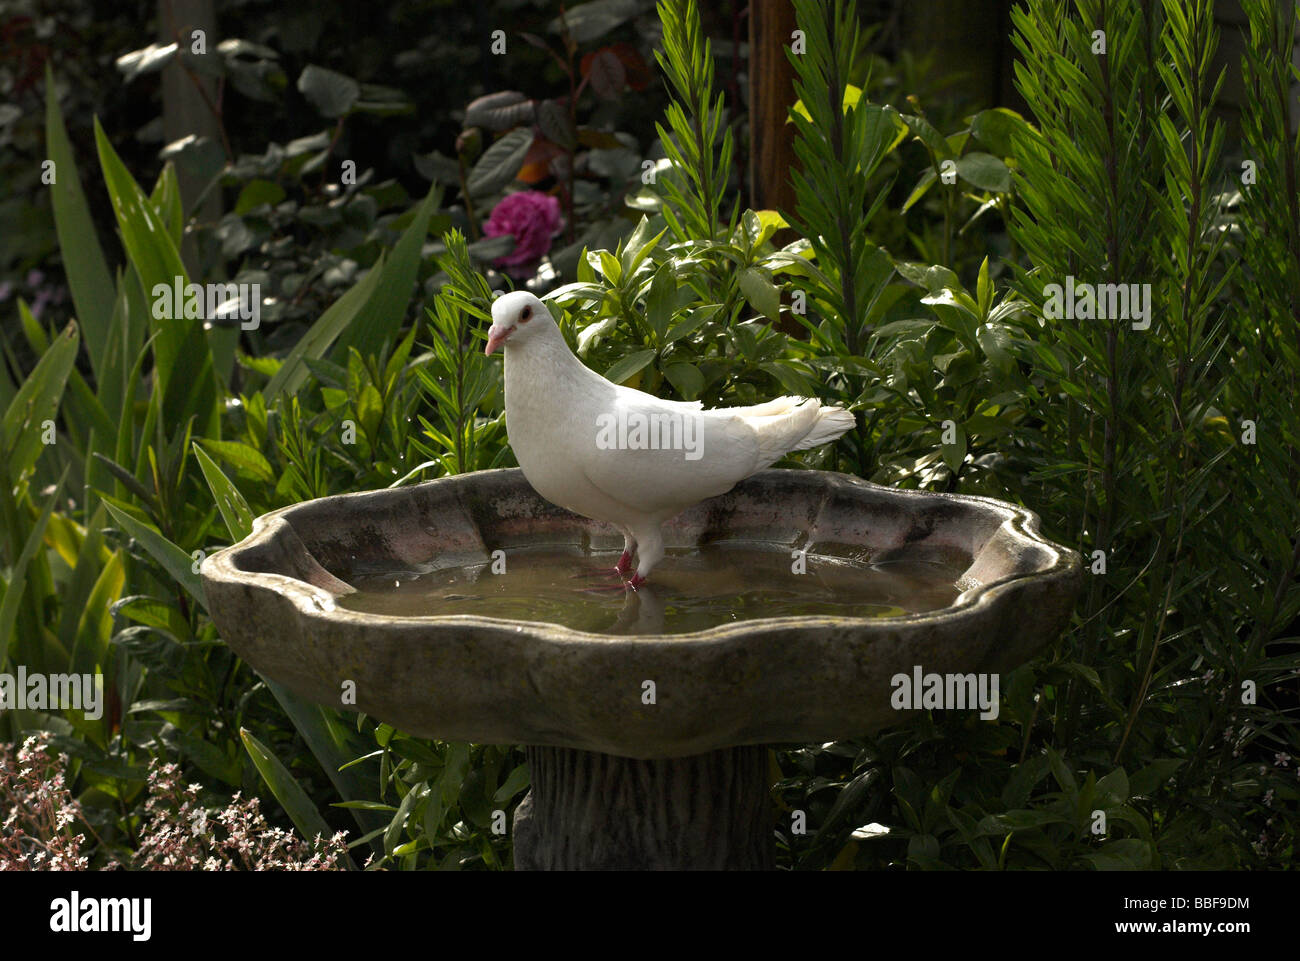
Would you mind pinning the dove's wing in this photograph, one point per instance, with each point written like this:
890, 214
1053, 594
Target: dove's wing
700, 454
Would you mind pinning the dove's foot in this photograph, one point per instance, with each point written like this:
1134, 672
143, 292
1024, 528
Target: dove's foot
636, 581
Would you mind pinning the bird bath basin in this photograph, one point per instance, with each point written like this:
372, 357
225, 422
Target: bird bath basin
644, 745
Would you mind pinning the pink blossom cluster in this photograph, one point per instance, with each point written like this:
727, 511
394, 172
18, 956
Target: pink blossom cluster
184, 835
38, 831
44, 825
532, 218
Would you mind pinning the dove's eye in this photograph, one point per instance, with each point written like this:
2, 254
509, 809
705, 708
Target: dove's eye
526, 315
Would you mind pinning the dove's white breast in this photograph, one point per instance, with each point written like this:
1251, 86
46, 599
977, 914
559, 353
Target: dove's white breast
551, 423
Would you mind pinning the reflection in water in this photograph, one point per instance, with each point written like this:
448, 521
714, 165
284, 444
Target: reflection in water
642, 613
690, 591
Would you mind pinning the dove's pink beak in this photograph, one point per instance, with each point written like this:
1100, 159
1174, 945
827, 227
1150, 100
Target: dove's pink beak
496, 337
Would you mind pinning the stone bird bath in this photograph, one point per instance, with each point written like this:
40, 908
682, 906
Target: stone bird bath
619, 779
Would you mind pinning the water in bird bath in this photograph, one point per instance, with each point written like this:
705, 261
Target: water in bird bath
692, 590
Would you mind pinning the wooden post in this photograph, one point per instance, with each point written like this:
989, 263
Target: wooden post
771, 92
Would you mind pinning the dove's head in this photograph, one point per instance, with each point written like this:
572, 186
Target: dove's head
516, 317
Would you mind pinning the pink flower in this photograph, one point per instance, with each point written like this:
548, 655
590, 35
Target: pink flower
533, 218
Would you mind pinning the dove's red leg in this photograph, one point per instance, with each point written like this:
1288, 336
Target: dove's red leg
624, 562
649, 552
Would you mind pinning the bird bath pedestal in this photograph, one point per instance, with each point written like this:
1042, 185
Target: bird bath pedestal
645, 750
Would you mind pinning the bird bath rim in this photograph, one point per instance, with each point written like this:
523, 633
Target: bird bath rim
1019, 524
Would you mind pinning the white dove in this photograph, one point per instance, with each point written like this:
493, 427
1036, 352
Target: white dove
623, 456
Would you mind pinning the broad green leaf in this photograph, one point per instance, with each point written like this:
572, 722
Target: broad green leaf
933, 278
925, 131
234, 509
295, 801
884, 129
166, 198
686, 378
499, 111
316, 342
332, 94
364, 806
90, 652
370, 410
65, 536
955, 453
984, 171
499, 163
760, 225
994, 341
211, 759
928, 180
1113, 787
790, 378
399, 819
243, 456
87, 564
183, 358
381, 316
88, 276
638, 246
984, 289
590, 21
997, 128
36, 402
18, 575
693, 321
610, 267
632, 364
32, 329
763, 295
661, 300
173, 560
258, 192
337, 746
516, 782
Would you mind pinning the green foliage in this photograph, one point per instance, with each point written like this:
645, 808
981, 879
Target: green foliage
456, 380
451, 804
1130, 441
695, 120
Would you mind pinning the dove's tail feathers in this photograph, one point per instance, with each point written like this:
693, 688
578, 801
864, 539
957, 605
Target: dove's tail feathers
831, 422
782, 405
793, 423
